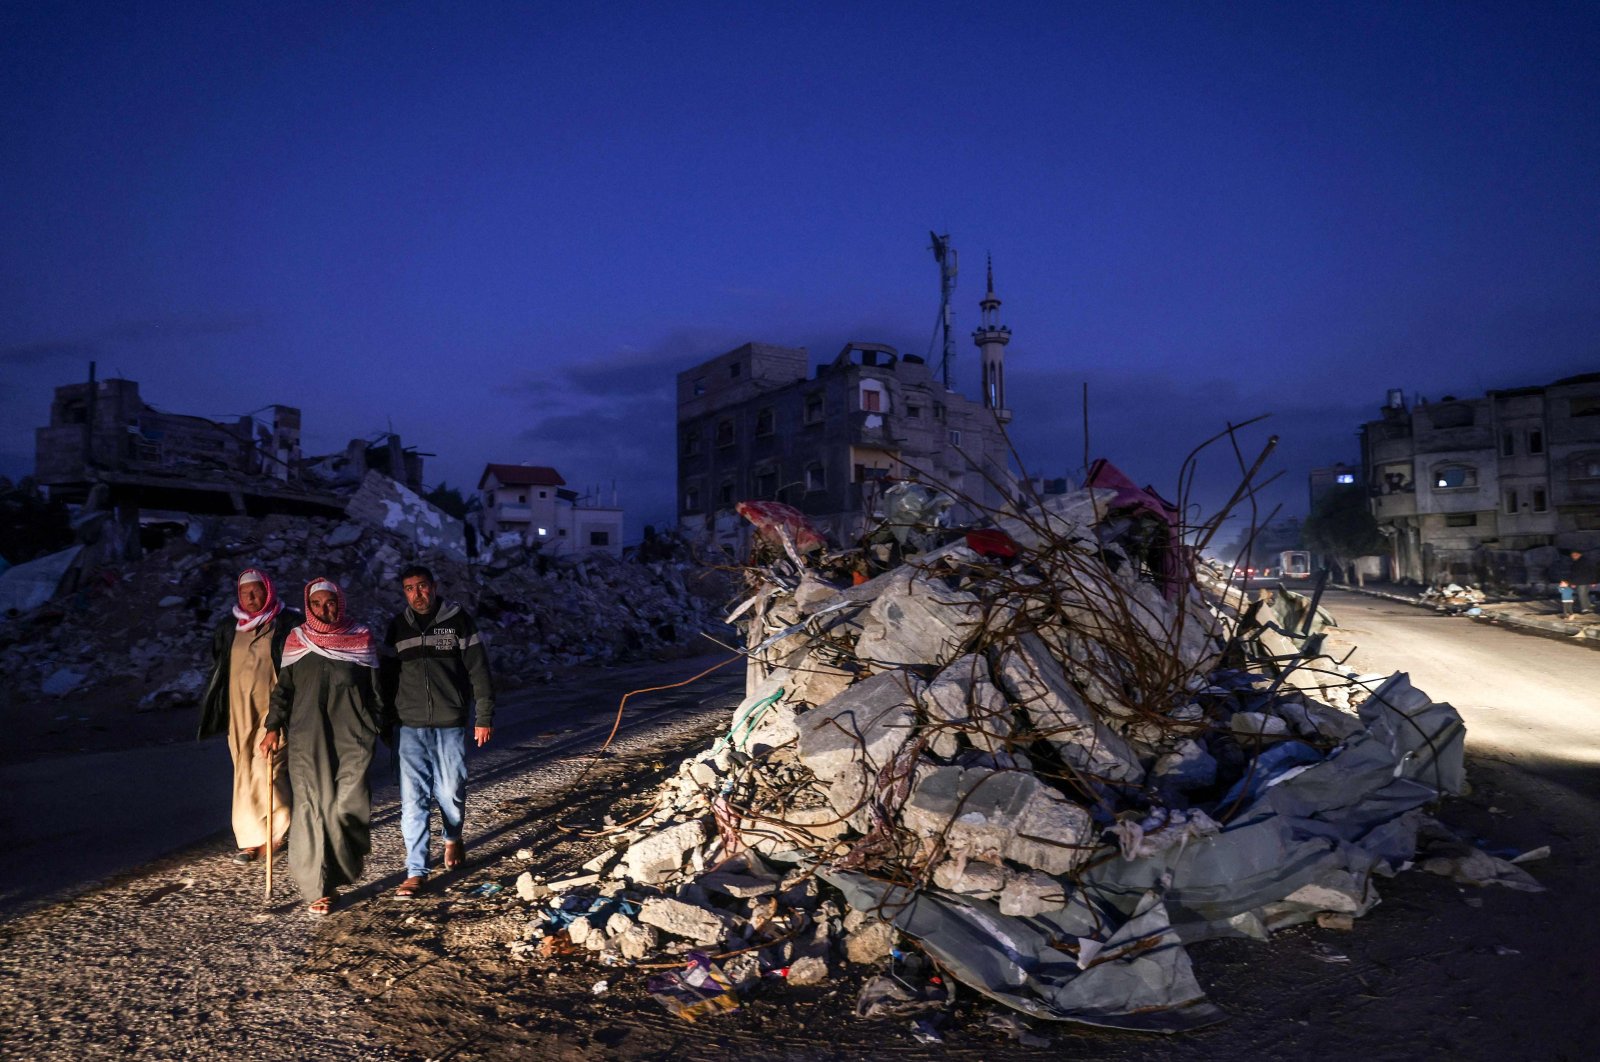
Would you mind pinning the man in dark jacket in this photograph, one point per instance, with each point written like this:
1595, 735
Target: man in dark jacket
436, 670
1582, 575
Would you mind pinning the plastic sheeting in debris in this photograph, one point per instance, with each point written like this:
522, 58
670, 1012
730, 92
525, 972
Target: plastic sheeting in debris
1307, 837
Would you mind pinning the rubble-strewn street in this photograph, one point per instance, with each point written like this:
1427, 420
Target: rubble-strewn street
995, 786
154, 966
81, 658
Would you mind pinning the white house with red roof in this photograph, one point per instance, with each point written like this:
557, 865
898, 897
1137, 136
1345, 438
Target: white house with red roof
533, 501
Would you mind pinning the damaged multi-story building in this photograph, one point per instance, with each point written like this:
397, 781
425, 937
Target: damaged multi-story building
1486, 489
752, 425
106, 444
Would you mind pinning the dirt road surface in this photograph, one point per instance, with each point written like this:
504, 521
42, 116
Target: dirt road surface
179, 959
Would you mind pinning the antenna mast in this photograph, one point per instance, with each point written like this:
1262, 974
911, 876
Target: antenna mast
945, 255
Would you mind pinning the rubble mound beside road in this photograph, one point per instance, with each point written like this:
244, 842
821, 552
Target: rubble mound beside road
147, 625
1044, 758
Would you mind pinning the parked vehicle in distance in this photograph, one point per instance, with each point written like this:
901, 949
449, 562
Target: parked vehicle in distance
1294, 565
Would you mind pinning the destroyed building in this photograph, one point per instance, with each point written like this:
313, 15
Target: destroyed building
65, 629
752, 426
1486, 489
102, 434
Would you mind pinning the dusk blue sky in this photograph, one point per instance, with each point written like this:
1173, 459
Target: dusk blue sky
502, 229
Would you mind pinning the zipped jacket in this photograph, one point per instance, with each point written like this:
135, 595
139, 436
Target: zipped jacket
435, 667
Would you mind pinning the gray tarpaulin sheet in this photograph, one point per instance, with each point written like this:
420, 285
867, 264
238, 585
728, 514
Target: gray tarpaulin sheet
1303, 838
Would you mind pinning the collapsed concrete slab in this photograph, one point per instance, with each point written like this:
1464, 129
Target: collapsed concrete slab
916, 619
849, 740
983, 814
963, 697
660, 855
1035, 681
382, 502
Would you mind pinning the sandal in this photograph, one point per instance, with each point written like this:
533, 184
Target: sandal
408, 889
455, 854
321, 906
246, 855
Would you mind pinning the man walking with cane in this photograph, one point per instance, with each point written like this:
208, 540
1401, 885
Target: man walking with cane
436, 675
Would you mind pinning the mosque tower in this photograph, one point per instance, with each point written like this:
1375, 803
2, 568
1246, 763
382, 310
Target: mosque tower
991, 338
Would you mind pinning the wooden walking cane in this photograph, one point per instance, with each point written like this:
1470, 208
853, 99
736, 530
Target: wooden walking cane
267, 900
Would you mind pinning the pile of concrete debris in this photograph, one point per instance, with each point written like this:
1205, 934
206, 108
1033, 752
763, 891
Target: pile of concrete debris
1454, 598
1037, 754
146, 625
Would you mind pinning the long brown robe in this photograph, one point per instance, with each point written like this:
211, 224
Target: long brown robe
251, 679
329, 711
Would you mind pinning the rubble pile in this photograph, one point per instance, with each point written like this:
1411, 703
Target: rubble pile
1454, 598
147, 624
1039, 755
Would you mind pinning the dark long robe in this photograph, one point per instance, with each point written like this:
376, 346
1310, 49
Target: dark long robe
330, 711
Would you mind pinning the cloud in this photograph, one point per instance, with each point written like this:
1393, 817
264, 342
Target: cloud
44, 351
145, 331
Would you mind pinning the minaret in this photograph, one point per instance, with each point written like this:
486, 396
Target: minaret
991, 337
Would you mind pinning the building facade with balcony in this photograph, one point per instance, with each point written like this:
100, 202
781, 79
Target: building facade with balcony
753, 426
1487, 489
534, 503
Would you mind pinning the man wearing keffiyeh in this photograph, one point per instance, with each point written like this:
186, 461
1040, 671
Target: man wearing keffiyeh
246, 652
327, 710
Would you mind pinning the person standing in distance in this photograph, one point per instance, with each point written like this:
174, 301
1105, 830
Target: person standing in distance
436, 672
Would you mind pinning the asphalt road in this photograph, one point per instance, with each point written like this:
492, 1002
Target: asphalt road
73, 821
1530, 701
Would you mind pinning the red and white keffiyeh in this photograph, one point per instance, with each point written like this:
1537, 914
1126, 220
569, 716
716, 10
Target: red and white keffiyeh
342, 640
249, 621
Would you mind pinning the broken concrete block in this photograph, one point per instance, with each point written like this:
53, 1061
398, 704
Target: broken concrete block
637, 942
1031, 893
808, 970
682, 920
969, 877
1187, 767
739, 886
344, 535
818, 681
1258, 725
1036, 682
563, 884
383, 503
813, 592
1090, 668
579, 930
994, 814
963, 697
600, 862
871, 943
655, 858
916, 620
847, 741
529, 889
799, 891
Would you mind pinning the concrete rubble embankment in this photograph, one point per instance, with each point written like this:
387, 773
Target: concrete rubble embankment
1044, 756
145, 626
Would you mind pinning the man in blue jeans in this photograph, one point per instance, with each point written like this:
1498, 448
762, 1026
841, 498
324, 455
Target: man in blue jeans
436, 671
